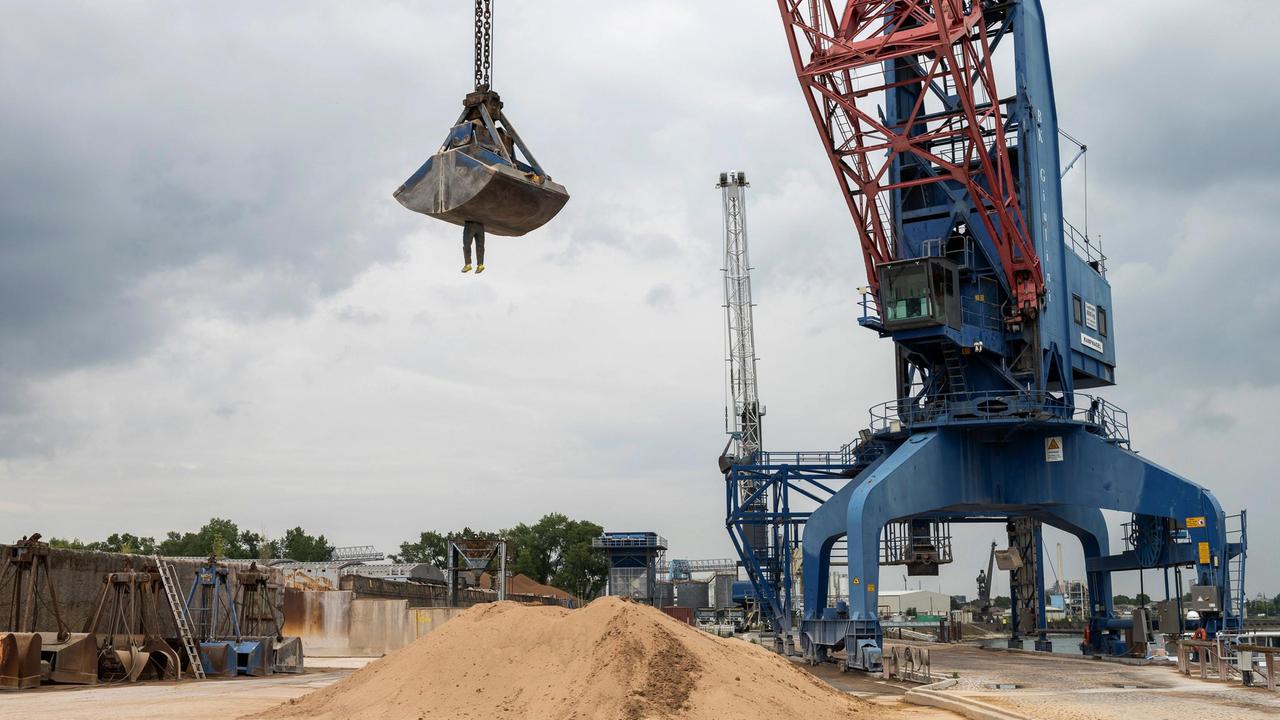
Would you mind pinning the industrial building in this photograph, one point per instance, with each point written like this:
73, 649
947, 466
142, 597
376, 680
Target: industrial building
911, 602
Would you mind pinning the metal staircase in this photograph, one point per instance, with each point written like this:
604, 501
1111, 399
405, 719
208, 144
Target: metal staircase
181, 619
1237, 533
956, 384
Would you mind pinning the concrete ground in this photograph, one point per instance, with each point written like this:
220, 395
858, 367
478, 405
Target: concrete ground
1058, 687
207, 700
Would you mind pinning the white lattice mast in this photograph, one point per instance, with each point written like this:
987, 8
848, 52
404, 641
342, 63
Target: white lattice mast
742, 410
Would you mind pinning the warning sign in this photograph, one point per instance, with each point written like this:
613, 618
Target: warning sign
1053, 449
1091, 316
1204, 553
871, 587
857, 581
1195, 522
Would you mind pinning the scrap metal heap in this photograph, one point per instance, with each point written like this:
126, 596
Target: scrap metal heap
1000, 312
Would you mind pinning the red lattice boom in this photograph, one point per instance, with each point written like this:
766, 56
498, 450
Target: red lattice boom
956, 124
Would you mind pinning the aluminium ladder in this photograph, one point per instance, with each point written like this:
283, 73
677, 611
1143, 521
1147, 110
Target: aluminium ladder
181, 619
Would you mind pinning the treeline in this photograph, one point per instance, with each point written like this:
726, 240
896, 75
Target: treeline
553, 551
219, 537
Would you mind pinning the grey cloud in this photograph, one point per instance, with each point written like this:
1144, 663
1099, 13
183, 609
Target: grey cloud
659, 296
173, 166
359, 316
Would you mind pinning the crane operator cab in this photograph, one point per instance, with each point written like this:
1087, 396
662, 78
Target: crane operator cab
484, 173
920, 292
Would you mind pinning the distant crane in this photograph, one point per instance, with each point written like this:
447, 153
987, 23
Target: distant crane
743, 411
984, 586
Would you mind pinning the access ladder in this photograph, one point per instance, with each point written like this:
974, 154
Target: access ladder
181, 619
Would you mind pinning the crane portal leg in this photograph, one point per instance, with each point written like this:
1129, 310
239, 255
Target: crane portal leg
955, 470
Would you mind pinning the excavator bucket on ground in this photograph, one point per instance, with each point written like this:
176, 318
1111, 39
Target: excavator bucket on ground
252, 656
73, 660
286, 655
477, 176
218, 659
19, 660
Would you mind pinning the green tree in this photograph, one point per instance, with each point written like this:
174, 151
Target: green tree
557, 551
219, 537
433, 548
430, 547
116, 543
71, 544
130, 544
298, 545
1002, 602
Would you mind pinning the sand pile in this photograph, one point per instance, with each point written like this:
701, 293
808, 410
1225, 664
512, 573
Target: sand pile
612, 659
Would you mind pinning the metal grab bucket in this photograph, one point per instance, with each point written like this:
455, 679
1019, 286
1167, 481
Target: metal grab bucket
252, 656
218, 659
474, 183
477, 175
286, 655
162, 661
19, 660
74, 660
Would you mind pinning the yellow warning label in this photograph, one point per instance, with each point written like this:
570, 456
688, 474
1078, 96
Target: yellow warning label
871, 587
1204, 553
856, 581
1195, 522
1053, 449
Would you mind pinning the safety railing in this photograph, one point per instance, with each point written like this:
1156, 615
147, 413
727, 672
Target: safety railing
630, 540
1089, 250
979, 313
870, 308
979, 407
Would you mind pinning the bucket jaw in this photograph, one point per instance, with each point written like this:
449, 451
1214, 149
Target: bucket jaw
162, 661
287, 655
218, 658
19, 660
251, 656
74, 660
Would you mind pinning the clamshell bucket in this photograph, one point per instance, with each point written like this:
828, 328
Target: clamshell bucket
477, 176
218, 659
19, 660
286, 655
74, 660
252, 656
163, 662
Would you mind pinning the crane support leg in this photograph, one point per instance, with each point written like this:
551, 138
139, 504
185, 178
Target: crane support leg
954, 471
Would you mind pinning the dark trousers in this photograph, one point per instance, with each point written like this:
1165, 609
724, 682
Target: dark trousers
473, 231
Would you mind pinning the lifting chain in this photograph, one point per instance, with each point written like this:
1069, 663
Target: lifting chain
484, 42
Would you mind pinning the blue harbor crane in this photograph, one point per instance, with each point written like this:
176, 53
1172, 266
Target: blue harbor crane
1000, 314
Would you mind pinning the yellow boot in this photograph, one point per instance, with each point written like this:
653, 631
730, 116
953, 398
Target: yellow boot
467, 268
479, 269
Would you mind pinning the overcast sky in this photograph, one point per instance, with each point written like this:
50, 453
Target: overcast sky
211, 305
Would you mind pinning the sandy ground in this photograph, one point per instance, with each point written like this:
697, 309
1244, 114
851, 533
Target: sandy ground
1051, 688
1057, 687
207, 700
221, 699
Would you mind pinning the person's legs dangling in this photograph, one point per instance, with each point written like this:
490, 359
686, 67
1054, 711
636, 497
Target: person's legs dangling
468, 232
479, 249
